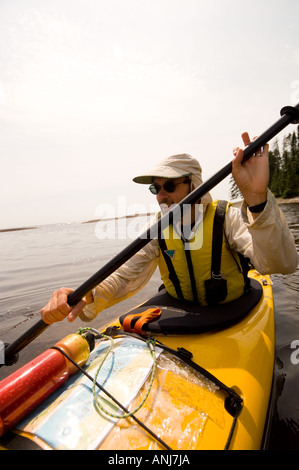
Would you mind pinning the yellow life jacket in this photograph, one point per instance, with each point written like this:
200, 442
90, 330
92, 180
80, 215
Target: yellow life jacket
209, 274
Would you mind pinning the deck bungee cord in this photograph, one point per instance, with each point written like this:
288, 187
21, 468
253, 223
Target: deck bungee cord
96, 402
233, 402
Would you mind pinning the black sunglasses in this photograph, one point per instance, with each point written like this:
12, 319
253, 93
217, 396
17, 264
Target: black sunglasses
169, 186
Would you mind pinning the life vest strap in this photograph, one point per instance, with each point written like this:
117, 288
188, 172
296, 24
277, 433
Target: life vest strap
172, 274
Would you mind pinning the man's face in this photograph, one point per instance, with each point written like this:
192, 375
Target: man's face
181, 191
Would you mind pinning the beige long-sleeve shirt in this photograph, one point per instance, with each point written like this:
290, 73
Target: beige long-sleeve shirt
266, 241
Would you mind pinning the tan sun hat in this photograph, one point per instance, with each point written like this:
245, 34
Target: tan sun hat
176, 166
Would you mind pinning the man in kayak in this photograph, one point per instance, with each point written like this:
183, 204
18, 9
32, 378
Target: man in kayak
258, 232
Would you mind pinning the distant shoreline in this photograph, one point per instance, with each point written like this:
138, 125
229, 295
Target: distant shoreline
279, 201
116, 218
16, 229
69, 223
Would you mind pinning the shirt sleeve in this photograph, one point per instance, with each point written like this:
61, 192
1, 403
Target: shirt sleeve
266, 241
124, 282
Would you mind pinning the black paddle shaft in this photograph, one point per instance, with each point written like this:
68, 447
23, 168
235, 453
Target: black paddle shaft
289, 115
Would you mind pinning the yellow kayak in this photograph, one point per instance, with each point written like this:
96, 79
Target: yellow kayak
194, 379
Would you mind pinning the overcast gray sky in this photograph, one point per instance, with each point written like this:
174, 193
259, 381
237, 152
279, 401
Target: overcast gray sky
93, 92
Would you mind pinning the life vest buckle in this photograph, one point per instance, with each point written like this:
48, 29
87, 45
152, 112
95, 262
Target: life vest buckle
216, 276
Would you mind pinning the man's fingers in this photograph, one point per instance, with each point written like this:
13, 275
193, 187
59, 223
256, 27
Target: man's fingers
60, 302
76, 310
57, 308
238, 153
245, 138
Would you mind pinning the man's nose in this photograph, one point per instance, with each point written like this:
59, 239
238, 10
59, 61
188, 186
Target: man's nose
162, 195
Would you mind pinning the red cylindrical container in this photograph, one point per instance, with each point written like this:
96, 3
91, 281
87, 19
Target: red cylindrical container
26, 388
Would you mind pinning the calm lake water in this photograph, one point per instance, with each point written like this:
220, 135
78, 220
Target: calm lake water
35, 262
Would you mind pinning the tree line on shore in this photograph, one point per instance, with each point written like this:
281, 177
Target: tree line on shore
284, 168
